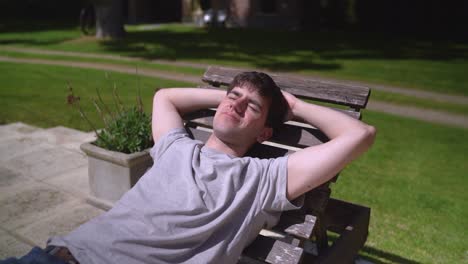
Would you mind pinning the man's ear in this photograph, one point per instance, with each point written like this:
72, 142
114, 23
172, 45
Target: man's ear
267, 132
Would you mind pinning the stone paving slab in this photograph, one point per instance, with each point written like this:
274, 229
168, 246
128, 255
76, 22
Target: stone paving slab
45, 163
20, 139
43, 185
62, 136
20, 145
16, 129
74, 182
25, 204
9, 178
11, 246
61, 222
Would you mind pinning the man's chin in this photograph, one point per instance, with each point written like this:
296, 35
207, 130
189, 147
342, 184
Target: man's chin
225, 133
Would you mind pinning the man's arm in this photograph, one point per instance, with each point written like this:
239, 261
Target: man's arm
170, 104
313, 166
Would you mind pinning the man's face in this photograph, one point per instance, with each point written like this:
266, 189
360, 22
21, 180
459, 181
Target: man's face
241, 117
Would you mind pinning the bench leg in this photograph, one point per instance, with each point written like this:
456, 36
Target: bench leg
321, 236
352, 223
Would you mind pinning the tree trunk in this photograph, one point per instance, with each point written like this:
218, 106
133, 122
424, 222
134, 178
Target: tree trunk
109, 19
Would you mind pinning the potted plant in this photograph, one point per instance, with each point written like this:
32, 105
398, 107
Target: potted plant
120, 155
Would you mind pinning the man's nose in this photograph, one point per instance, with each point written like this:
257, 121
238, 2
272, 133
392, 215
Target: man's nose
240, 105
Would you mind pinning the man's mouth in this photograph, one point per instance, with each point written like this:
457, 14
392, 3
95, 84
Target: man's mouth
232, 116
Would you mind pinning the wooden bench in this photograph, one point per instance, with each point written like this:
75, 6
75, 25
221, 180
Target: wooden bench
302, 236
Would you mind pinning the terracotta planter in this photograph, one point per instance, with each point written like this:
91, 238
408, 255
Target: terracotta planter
112, 173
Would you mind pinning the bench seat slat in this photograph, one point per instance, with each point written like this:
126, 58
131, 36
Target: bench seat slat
297, 137
261, 151
333, 92
292, 134
297, 224
271, 250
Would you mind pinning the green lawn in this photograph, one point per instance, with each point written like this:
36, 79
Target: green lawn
399, 99
37, 95
376, 95
414, 177
434, 65
135, 64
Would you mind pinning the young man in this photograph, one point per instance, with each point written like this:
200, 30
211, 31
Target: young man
203, 203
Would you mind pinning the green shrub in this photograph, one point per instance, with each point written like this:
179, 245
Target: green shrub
129, 132
126, 130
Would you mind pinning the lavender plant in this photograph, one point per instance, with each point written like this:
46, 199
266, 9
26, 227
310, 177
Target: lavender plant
126, 130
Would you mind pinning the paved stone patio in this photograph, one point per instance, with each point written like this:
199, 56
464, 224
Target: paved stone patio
43, 185
44, 189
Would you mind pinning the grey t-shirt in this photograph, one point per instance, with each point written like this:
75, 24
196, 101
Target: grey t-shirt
195, 205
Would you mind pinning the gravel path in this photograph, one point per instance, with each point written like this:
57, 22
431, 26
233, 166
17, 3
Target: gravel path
406, 111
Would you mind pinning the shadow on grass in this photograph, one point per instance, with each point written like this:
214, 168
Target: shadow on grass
31, 41
36, 25
271, 50
381, 257
275, 50
373, 254
25, 27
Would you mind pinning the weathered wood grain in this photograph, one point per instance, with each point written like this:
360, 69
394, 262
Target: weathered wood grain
352, 223
333, 92
297, 224
350, 112
270, 250
288, 135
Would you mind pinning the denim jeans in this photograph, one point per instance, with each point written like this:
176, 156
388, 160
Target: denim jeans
35, 256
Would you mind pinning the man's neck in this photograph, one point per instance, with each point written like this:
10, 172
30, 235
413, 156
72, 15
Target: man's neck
215, 143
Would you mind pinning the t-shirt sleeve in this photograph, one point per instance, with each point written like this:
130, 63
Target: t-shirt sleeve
166, 141
273, 187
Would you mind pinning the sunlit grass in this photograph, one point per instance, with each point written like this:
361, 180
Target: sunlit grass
37, 95
131, 63
413, 178
434, 65
404, 100
140, 64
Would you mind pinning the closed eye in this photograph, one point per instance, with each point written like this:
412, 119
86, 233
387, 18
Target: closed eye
233, 95
254, 108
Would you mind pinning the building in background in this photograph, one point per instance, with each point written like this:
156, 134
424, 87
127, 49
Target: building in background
277, 14
435, 17
285, 14
153, 11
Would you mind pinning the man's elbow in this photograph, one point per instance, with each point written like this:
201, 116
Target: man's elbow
156, 96
160, 93
368, 134
162, 97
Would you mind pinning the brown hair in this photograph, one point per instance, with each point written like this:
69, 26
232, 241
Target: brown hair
267, 88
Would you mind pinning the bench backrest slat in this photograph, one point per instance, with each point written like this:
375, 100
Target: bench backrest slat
332, 92
289, 135
351, 113
261, 151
